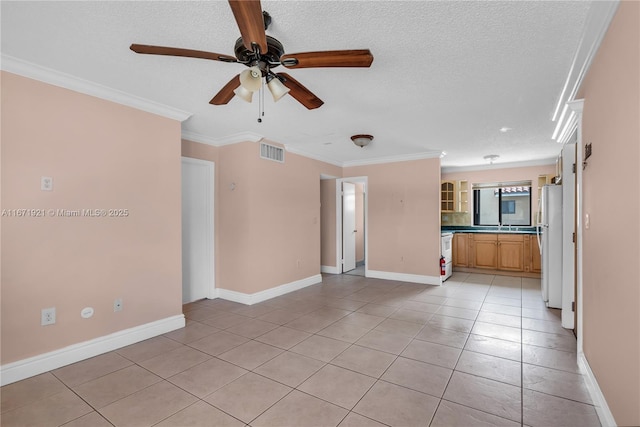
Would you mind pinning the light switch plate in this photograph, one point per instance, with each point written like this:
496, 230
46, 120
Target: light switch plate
46, 183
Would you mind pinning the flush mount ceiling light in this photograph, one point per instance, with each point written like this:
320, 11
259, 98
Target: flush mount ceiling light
491, 158
362, 140
505, 129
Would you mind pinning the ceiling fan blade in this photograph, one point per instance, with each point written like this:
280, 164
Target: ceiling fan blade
329, 58
248, 14
226, 93
303, 95
175, 51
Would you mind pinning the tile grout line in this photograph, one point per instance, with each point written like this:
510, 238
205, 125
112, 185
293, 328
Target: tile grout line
351, 344
453, 370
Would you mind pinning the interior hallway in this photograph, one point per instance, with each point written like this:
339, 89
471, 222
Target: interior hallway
350, 351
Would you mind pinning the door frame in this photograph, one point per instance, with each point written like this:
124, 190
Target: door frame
356, 180
211, 276
577, 106
346, 219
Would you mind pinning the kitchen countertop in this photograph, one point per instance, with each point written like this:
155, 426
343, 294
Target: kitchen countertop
480, 229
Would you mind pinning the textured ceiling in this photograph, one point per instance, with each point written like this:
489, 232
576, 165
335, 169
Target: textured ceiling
446, 75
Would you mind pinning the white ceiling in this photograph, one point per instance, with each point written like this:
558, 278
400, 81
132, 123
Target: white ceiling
446, 75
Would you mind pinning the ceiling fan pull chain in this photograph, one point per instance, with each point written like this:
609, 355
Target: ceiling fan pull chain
261, 103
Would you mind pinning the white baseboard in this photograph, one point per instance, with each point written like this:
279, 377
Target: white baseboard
16, 371
250, 299
404, 277
599, 402
329, 269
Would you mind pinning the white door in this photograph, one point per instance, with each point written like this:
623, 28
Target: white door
348, 226
197, 230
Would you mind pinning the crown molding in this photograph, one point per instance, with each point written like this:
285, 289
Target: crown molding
219, 142
295, 150
577, 105
365, 162
599, 18
393, 159
56, 78
541, 162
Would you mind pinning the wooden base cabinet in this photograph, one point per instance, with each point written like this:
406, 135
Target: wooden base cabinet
536, 262
511, 252
516, 253
484, 250
461, 250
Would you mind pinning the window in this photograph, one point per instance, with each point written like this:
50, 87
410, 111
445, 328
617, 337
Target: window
502, 203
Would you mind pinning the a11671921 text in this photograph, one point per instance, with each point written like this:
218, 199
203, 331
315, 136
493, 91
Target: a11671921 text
65, 213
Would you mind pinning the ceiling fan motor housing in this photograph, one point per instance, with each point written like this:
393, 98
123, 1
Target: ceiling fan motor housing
264, 61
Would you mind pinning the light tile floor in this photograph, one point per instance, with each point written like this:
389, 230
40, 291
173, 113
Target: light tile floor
480, 350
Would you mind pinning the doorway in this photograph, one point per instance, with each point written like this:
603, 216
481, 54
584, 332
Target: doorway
198, 279
353, 237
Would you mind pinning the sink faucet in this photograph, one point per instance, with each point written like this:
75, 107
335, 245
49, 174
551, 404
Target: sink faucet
499, 226
509, 227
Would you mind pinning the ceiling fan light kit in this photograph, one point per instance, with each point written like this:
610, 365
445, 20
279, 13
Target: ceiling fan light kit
362, 140
251, 79
261, 53
276, 87
243, 93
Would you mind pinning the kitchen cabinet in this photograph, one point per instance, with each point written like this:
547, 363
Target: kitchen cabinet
461, 250
484, 250
462, 192
447, 196
511, 252
536, 262
454, 196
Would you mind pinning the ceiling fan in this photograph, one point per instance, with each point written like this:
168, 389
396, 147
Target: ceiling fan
262, 53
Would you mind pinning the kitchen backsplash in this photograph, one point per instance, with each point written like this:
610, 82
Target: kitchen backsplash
455, 218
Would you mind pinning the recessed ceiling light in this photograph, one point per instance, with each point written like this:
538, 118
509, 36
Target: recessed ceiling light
505, 129
491, 158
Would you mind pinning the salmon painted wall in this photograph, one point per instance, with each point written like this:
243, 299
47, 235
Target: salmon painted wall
267, 216
328, 222
611, 244
404, 216
101, 155
196, 150
504, 174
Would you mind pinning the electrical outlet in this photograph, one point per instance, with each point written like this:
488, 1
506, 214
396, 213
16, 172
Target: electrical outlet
46, 183
117, 304
48, 316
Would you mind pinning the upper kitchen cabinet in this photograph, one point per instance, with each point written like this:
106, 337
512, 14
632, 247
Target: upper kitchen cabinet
454, 196
447, 196
463, 196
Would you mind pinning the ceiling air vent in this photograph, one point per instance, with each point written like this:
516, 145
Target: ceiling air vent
271, 152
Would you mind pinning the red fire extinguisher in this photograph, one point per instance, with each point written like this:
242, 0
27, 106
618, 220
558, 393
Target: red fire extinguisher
442, 266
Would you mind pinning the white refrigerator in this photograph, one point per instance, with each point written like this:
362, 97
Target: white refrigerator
550, 233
